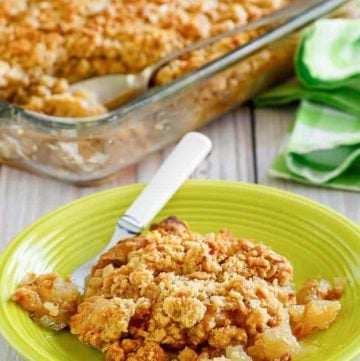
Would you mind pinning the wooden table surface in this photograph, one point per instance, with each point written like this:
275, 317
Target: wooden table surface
245, 142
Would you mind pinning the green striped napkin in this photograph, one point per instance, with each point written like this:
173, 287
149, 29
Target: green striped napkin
323, 147
346, 99
328, 56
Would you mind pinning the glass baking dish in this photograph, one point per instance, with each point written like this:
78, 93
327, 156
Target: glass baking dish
88, 151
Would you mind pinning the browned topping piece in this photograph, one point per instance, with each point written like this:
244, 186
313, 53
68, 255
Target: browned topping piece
100, 321
149, 352
50, 299
135, 350
187, 354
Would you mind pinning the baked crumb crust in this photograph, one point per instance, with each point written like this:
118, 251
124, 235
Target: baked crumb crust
47, 45
174, 294
203, 292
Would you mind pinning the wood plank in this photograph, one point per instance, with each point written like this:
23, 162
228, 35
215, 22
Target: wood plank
271, 128
231, 157
25, 197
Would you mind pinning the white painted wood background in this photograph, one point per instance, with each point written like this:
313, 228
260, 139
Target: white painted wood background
245, 142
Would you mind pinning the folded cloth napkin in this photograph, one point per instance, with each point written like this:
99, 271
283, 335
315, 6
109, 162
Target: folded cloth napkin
323, 147
346, 98
328, 56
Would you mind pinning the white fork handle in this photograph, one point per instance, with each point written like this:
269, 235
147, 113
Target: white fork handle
183, 160
179, 165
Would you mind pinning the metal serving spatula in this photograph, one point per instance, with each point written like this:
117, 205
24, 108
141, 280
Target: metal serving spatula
183, 160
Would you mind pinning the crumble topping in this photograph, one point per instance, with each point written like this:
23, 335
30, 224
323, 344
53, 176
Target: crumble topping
47, 45
174, 294
50, 299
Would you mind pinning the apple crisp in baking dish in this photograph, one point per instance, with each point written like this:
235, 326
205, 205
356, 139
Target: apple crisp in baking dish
173, 294
47, 45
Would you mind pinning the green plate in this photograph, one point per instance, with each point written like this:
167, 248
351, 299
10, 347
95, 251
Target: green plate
318, 242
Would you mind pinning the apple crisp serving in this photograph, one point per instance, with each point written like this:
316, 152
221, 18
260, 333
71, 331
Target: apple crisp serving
47, 45
173, 294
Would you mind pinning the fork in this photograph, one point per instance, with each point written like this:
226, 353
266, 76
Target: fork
187, 155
